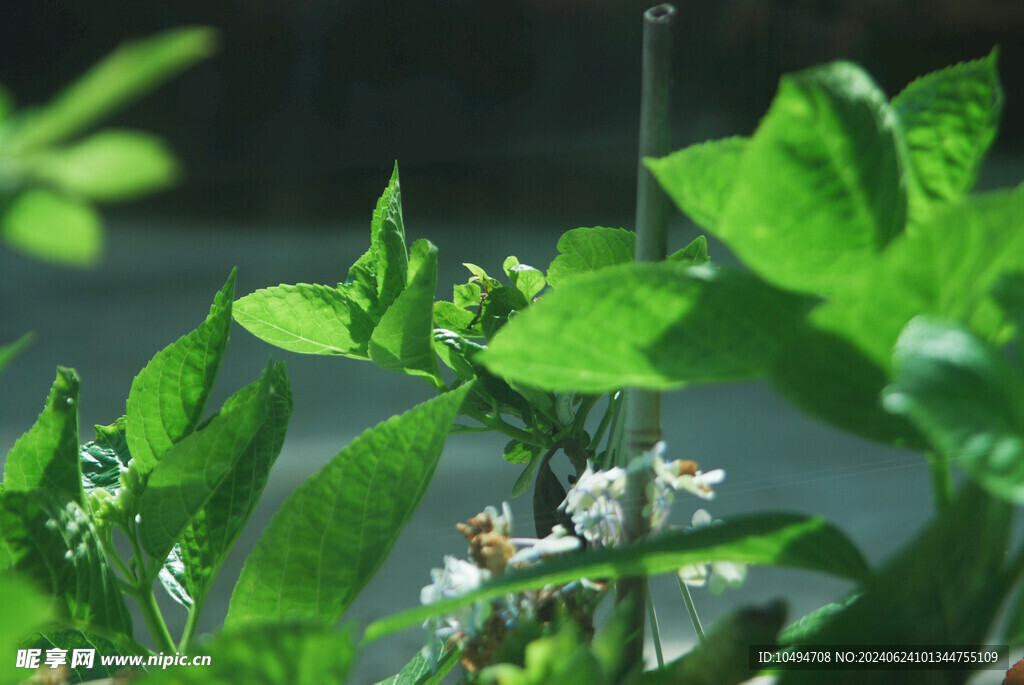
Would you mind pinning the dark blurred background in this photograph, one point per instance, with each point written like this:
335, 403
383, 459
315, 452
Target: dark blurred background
492, 106
512, 121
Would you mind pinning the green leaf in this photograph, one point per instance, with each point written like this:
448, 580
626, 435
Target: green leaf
589, 249
528, 280
46, 457
965, 399
700, 178
723, 657
206, 542
949, 120
422, 671
814, 359
111, 165
1008, 293
403, 340
776, 539
387, 247
71, 640
55, 544
189, 473
53, 227
25, 610
525, 479
12, 349
803, 629
275, 654
304, 318
168, 396
945, 588
652, 326
819, 191
451, 317
128, 73
104, 459
333, 533
694, 254
455, 351
498, 308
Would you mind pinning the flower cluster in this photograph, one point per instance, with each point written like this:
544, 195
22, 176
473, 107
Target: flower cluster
478, 629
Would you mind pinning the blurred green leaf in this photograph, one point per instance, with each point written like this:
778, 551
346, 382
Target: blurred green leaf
12, 349
776, 539
588, 249
46, 457
272, 654
168, 396
653, 326
108, 166
808, 625
965, 399
53, 227
25, 610
945, 588
76, 639
949, 119
422, 671
819, 191
723, 658
332, 534
128, 73
700, 178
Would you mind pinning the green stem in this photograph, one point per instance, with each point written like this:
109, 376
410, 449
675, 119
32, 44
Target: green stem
603, 426
652, 617
580, 420
691, 609
496, 423
154, 619
190, 626
615, 436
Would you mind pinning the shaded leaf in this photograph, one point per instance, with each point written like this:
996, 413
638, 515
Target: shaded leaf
71, 640
46, 457
422, 671
965, 399
168, 396
213, 531
652, 326
403, 340
104, 459
945, 588
55, 544
819, 190
776, 539
333, 533
189, 473
53, 227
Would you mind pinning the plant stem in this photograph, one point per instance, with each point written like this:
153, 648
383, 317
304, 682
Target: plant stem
643, 408
655, 630
496, 423
154, 619
691, 609
580, 420
190, 626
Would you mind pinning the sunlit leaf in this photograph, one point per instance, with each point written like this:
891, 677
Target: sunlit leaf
53, 227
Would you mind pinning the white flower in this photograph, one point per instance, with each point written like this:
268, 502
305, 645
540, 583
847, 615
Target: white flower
682, 474
594, 506
722, 574
456, 578
533, 550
